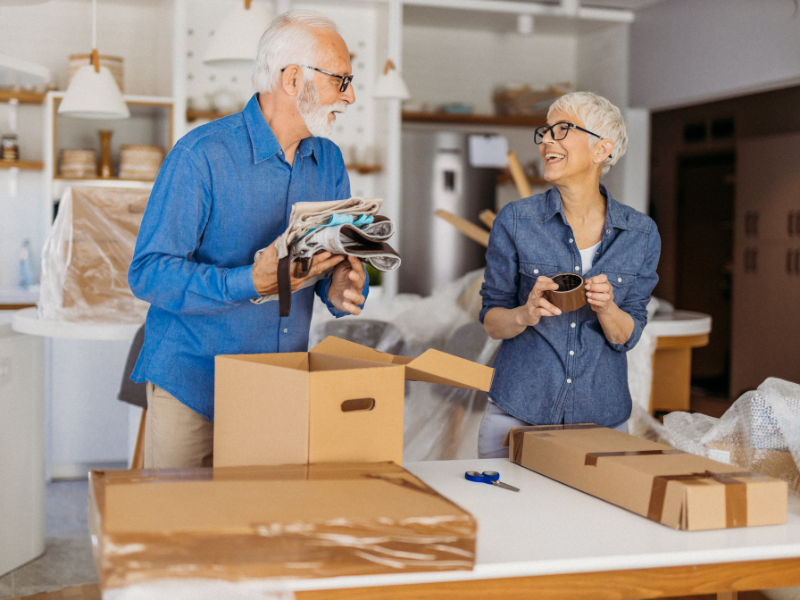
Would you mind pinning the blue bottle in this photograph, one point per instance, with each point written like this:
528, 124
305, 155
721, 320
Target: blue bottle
26, 265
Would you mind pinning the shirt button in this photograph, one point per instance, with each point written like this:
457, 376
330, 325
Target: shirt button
577, 268
285, 331
608, 231
570, 240
572, 325
572, 353
535, 271
569, 380
619, 279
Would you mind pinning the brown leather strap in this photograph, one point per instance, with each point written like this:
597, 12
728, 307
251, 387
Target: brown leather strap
284, 286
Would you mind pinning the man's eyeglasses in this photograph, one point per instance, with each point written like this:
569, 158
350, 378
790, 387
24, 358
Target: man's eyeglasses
346, 79
558, 131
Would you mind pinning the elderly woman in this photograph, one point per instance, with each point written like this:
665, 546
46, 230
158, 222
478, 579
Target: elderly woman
568, 367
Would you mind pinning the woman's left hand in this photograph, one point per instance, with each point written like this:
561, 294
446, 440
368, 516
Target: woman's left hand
600, 294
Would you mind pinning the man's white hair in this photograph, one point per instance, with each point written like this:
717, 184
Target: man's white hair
599, 116
289, 40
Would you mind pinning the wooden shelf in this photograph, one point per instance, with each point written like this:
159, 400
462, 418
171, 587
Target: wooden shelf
194, 115
364, 169
23, 97
103, 179
26, 165
513, 120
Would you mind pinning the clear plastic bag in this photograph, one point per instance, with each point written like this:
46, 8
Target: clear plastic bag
86, 257
759, 432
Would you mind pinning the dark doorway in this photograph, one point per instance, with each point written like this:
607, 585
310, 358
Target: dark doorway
705, 260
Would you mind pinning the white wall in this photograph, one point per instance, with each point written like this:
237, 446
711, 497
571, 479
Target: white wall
689, 51
141, 34
456, 65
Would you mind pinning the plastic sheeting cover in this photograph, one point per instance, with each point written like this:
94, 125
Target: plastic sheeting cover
86, 257
759, 432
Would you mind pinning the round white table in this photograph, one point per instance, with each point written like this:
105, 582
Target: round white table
27, 321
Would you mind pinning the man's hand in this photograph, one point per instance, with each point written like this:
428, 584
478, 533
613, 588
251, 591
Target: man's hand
599, 294
537, 306
265, 270
347, 282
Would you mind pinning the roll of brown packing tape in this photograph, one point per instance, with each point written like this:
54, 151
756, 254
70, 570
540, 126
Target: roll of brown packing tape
571, 292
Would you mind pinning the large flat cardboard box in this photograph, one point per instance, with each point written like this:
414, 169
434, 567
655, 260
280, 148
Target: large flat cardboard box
297, 521
677, 489
339, 402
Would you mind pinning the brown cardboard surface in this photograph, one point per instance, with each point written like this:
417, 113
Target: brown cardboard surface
432, 366
680, 490
296, 408
285, 521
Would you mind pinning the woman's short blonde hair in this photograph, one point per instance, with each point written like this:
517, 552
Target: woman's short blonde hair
599, 116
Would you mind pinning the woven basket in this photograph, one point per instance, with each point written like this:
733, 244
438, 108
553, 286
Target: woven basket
78, 163
140, 162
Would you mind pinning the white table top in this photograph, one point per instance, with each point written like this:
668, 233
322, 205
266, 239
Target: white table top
27, 321
679, 323
549, 528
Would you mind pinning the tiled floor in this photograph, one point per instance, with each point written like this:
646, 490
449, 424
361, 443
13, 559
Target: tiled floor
68, 557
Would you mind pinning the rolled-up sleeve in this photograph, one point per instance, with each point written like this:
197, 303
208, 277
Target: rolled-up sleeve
635, 303
164, 270
501, 279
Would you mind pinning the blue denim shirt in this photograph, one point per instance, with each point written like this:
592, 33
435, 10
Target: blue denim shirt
224, 192
563, 369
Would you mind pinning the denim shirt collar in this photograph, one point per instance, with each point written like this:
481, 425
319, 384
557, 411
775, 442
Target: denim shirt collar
614, 216
263, 141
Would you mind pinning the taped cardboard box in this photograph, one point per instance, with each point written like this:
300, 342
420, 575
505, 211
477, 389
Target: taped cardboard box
296, 521
680, 490
339, 402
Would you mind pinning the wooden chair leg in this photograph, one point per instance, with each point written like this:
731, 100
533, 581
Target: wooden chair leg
138, 452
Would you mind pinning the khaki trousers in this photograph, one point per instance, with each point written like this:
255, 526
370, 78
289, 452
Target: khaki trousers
175, 435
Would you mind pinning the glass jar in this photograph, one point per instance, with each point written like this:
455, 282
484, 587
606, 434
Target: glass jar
9, 150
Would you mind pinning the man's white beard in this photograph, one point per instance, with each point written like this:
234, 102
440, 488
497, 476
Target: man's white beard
315, 116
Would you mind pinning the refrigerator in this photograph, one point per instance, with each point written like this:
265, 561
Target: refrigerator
437, 175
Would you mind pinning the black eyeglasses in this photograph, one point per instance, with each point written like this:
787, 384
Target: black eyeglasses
558, 131
346, 79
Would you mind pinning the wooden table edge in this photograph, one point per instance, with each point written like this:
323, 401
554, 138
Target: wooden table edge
723, 579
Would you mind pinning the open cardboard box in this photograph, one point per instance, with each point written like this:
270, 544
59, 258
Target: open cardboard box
669, 486
339, 402
297, 521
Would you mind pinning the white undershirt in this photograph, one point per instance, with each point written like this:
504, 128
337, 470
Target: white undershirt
587, 257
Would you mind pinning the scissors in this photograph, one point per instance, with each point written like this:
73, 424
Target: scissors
490, 477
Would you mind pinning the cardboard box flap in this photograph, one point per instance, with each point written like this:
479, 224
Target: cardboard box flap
340, 347
434, 366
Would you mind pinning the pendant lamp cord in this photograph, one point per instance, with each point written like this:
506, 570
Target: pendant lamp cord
95, 53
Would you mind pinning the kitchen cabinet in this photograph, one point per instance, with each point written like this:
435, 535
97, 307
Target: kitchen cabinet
766, 270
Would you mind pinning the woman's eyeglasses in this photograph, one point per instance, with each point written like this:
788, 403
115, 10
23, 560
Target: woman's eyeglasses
558, 131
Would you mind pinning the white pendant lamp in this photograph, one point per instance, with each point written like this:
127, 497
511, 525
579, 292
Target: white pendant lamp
93, 93
390, 85
236, 39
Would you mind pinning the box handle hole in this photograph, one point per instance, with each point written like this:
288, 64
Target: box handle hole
358, 404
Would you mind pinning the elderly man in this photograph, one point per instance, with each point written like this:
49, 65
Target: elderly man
225, 191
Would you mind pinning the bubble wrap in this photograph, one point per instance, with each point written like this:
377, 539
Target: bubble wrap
759, 432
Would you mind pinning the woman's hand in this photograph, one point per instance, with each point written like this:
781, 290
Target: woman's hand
599, 294
503, 323
537, 306
616, 323
347, 282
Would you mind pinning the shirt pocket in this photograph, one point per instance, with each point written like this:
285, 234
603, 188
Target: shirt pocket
622, 284
529, 272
